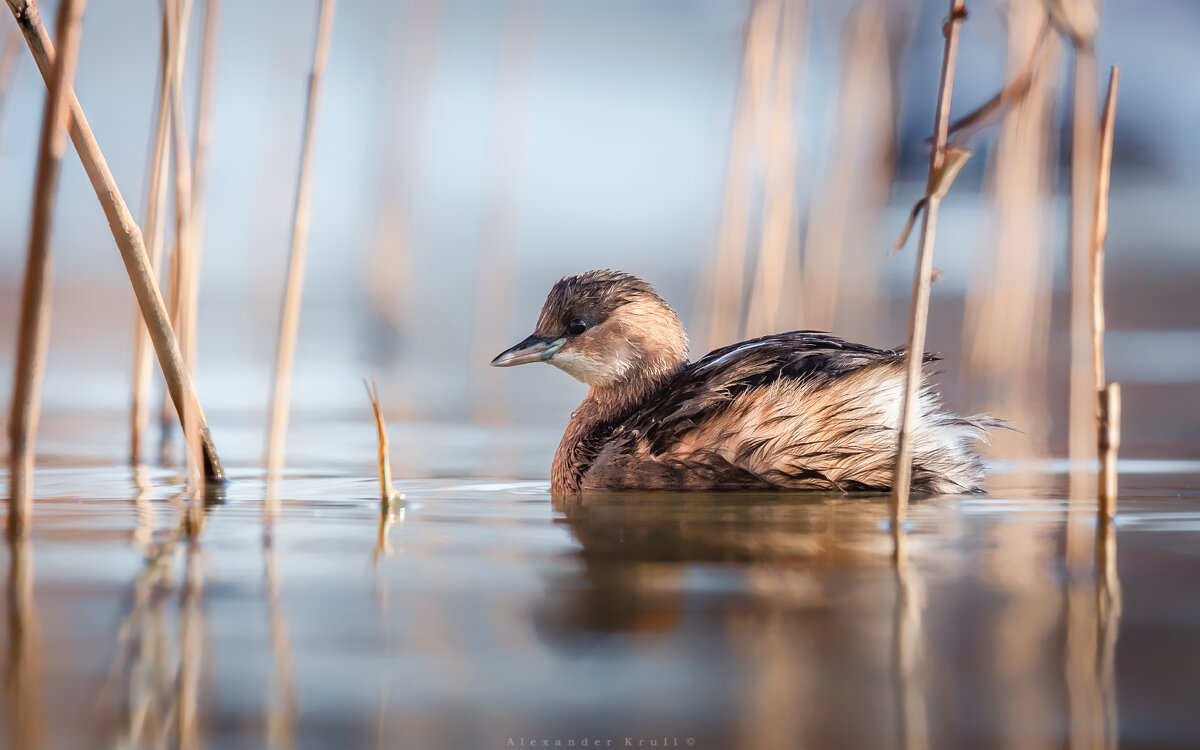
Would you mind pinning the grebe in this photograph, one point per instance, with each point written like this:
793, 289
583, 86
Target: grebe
793, 411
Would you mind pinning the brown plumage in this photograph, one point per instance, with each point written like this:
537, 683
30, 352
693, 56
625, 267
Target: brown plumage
795, 410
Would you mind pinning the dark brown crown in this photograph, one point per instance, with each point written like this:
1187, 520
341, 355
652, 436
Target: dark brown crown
591, 297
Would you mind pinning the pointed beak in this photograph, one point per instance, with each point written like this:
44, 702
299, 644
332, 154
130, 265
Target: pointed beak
533, 349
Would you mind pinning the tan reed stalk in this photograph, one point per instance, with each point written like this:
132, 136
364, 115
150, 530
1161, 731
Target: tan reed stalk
516, 67
844, 213
289, 323
8, 61
156, 195
34, 332
1081, 438
127, 234
919, 312
1108, 395
779, 205
725, 301
200, 157
387, 493
408, 67
179, 15
1006, 321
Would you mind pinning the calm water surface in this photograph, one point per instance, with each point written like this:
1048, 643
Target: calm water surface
484, 614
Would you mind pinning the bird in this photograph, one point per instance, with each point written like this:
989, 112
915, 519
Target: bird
800, 410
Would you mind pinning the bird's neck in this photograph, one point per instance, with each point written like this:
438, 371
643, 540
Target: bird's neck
604, 409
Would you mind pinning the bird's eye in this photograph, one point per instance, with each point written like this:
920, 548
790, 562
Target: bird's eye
577, 326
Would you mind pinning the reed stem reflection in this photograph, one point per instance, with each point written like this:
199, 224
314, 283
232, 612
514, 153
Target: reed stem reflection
23, 686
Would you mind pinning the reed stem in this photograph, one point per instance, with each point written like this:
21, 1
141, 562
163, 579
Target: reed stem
387, 492
202, 143
156, 195
127, 234
289, 323
34, 333
1108, 395
1081, 403
8, 61
729, 268
919, 311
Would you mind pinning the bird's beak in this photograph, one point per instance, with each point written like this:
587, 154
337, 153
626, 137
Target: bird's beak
533, 349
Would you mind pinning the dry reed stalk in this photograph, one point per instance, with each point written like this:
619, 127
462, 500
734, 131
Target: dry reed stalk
515, 72
1080, 21
1014, 91
289, 323
1006, 326
1108, 395
179, 14
387, 493
139, 411
127, 234
34, 333
779, 204
843, 218
202, 143
8, 61
409, 65
943, 165
727, 280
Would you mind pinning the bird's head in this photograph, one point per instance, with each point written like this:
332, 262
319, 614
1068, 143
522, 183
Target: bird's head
604, 328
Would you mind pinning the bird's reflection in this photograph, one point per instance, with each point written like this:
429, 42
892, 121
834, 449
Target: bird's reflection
635, 548
782, 581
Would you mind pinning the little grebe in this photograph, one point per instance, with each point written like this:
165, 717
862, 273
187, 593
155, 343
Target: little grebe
796, 410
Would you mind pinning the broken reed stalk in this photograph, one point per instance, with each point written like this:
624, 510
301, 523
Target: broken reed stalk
127, 234
1108, 395
387, 493
34, 331
156, 194
289, 323
919, 311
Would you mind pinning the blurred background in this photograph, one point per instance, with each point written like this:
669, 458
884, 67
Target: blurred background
468, 154
756, 161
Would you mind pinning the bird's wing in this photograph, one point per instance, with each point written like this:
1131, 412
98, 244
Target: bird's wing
797, 410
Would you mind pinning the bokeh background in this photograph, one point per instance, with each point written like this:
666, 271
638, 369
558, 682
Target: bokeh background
468, 154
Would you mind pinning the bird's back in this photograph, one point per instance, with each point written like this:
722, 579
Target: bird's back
796, 410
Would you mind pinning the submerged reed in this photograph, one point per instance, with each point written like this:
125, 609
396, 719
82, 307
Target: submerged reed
289, 322
943, 166
34, 332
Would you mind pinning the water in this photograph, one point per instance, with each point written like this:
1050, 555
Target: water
483, 614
